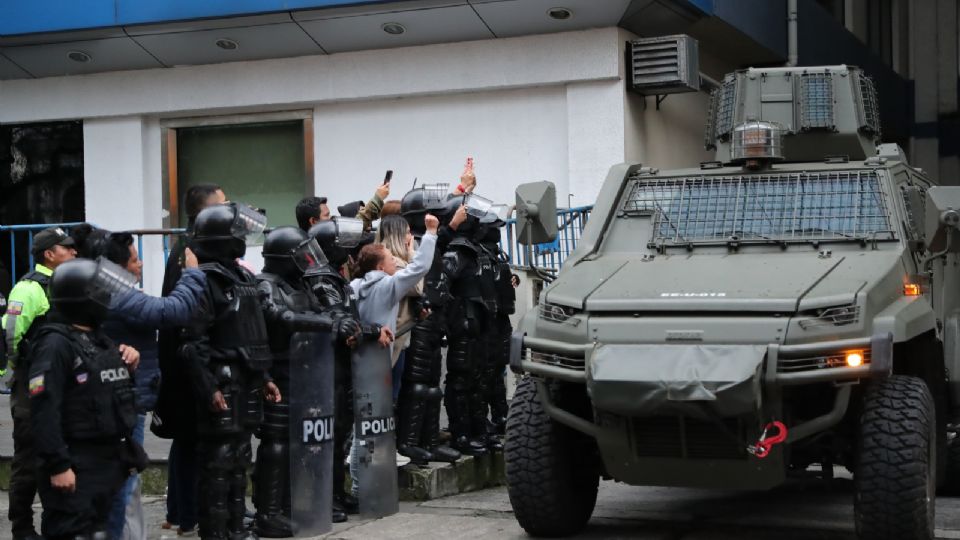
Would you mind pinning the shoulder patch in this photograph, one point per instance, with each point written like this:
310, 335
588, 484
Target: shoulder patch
15, 308
36, 385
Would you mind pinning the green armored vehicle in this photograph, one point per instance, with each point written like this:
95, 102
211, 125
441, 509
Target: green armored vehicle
794, 303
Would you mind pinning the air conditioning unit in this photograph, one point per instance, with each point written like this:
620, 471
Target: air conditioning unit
663, 65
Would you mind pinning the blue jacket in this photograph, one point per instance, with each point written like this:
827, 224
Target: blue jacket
135, 318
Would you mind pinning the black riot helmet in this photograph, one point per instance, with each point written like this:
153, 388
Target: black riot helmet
222, 232
337, 236
81, 290
417, 203
288, 252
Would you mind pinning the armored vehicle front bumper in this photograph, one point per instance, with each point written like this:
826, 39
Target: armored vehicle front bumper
650, 428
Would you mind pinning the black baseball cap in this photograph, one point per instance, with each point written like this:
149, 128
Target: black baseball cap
47, 238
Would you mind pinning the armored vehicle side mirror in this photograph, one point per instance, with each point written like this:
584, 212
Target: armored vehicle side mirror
536, 213
942, 219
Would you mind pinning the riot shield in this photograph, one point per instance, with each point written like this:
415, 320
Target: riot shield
311, 433
374, 427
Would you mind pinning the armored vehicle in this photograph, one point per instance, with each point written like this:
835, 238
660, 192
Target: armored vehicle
791, 307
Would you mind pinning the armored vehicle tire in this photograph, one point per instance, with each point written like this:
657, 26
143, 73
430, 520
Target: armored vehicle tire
895, 479
552, 489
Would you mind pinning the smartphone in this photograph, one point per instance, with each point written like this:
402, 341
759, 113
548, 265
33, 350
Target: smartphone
387, 177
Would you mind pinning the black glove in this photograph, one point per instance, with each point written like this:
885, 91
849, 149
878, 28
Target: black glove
345, 327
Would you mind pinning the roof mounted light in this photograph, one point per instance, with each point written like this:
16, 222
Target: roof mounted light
227, 44
756, 143
79, 56
393, 28
559, 13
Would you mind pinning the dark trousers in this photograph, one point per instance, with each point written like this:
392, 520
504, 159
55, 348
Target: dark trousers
100, 474
182, 484
343, 419
23, 468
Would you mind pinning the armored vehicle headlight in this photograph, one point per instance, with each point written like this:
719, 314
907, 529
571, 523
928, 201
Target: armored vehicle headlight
557, 313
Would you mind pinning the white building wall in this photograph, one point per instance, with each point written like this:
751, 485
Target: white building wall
550, 107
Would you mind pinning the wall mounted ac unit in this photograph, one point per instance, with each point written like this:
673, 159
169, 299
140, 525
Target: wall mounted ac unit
663, 65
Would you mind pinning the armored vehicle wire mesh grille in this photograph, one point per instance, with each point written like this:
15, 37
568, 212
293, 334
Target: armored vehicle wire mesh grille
558, 360
816, 103
725, 107
871, 106
835, 205
711, 129
834, 316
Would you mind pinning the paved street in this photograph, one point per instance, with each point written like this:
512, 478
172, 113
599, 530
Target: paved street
799, 511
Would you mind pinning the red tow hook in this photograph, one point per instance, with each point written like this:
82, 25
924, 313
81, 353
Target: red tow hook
765, 444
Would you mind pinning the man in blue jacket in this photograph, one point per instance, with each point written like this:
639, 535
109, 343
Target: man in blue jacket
133, 320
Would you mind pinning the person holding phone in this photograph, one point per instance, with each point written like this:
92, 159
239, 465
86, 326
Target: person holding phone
370, 212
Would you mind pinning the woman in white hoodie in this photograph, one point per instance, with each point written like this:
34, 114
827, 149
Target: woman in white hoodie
381, 287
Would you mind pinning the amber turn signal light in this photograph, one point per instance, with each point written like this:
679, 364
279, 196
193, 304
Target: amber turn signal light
911, 289
854, 359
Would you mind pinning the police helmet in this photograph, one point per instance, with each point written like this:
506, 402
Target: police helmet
81, 290
336, 236
223, 231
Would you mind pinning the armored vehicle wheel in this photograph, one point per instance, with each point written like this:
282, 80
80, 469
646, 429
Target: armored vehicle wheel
895, 480
551, 476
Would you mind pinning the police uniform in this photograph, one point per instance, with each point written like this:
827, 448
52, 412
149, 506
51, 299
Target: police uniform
332, 292
225, 350
289, 307
82, 405
26, 308
498, 338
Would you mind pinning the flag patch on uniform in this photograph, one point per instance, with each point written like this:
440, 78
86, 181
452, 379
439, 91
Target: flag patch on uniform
15, 308
81, 378
36, 385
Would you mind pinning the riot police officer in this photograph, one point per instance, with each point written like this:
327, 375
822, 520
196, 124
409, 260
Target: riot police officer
500, 329
227, 355
288, 308
82, 402
418, 407
468, 316
332, 292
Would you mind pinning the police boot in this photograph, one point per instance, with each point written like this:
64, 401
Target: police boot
244, 535
269, 482
430, 434
410, 412
338, 514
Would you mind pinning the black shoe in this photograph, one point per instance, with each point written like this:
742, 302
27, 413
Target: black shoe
348, 502
244, 535
273, 526
468, 447
444, 454
338, 515
417, 455
494, 444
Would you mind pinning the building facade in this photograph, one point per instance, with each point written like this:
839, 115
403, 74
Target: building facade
276, 99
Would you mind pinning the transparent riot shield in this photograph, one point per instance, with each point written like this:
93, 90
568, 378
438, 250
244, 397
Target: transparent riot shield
374, 427
311, 432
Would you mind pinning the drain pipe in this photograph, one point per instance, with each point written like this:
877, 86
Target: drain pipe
793, 57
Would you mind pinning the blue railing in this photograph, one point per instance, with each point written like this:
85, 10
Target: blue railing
22, 236
549, 256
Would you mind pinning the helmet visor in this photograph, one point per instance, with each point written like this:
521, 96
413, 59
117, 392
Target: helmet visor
309, 255
476, 205
249, 224
111, 280
349, 232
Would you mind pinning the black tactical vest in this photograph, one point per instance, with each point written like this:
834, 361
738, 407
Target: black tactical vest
98, 403
467, 286
239, 331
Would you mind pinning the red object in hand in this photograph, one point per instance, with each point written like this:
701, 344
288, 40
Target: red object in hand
765, 444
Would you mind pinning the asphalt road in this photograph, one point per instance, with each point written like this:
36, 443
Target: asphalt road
801, 510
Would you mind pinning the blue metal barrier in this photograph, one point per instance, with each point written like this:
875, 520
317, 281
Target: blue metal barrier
28, 231
549, 256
